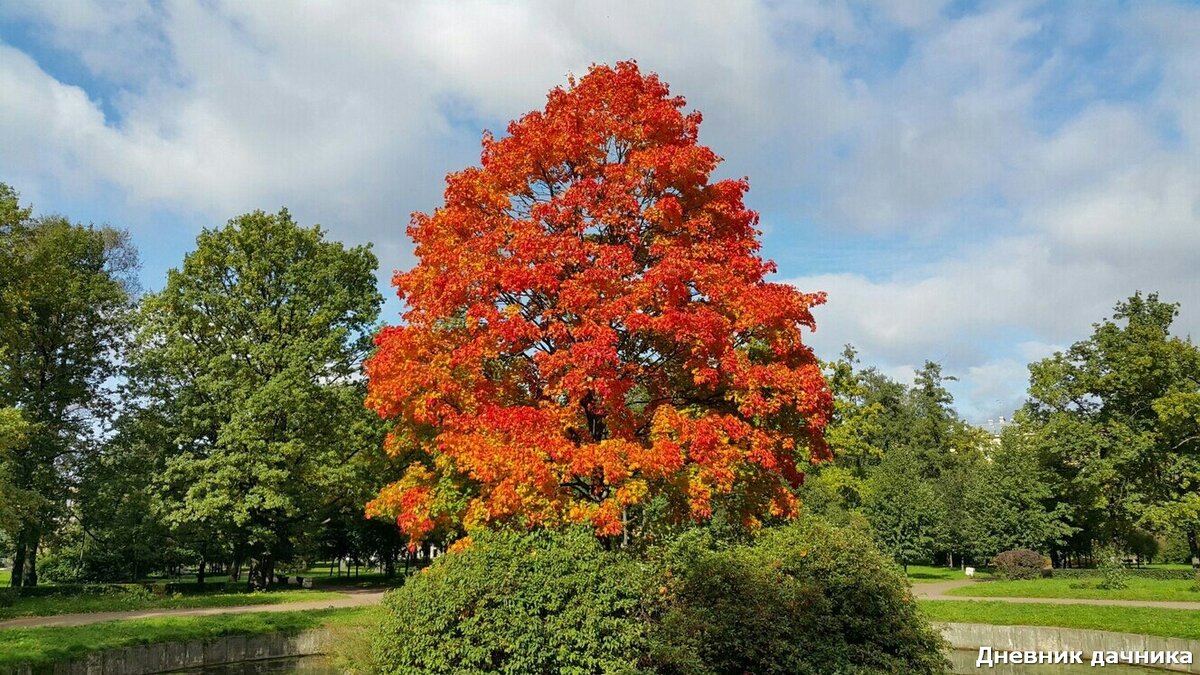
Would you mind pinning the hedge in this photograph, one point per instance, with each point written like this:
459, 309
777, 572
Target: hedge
1132, 572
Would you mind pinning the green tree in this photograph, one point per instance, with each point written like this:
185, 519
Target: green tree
903, 508
65, 292
1115, 417
252, 354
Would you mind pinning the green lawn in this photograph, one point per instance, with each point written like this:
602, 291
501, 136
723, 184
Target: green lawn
1139, 589
1180, 623
46, 645
926, 574
117, 602
5, 577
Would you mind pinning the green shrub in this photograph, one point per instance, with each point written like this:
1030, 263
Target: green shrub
1020, 564
1113, 575
60, 568
1142, 573
806, 598
517, 603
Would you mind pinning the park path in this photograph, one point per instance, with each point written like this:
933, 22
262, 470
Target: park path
350, 598
938, 591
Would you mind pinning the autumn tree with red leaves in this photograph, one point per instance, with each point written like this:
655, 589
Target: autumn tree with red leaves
588, 331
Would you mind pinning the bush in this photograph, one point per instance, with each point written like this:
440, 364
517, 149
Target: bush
516, 603
1020, 564
60, 569
1113, 575
1142, 573
806, 598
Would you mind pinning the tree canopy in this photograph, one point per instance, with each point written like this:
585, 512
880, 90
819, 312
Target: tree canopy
249, 357
589, 330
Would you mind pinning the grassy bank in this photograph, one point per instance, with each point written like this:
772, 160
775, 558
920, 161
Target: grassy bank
927, 574
1179, 623
122, 601
48, 645
1138, 589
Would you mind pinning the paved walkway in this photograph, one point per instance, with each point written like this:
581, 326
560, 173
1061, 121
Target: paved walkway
938, 591
350, 598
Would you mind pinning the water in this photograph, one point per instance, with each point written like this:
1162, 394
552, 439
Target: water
308, 665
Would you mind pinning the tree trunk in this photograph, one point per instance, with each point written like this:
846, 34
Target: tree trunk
262, 573
18, 569
200, 574
29, 570
1193, 547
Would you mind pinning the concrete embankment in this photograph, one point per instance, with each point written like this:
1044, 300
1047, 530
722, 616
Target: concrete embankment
172, 656
1052, 639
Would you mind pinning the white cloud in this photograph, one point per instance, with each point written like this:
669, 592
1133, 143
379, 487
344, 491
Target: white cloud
351, 115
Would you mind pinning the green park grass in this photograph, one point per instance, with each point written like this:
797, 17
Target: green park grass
119, 602
927, 574
47, 645
1178, 623
5, 578
1178, 590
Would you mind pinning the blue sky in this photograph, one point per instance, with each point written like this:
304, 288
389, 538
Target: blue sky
974, 183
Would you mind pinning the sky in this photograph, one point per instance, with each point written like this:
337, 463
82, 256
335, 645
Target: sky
971, 183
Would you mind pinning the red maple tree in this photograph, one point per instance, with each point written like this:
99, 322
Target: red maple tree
588, 328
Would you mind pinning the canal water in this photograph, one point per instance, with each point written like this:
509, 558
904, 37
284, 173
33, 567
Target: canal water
308, 665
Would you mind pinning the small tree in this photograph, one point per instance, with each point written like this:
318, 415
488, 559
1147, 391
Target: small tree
589, 328
904, 508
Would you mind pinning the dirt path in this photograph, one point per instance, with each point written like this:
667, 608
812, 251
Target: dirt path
938, 590
350, 598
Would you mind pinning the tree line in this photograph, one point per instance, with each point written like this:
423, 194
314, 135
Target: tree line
218, 424
1103, 454
215, 423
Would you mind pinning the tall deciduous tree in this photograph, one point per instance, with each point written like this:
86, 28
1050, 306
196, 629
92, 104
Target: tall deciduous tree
589, 329
65, 291
251, 353
1117, 417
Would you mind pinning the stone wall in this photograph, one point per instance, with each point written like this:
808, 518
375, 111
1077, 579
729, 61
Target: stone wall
169, 656
1051, 639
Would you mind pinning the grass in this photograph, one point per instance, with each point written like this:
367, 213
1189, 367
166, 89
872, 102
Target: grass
118, 602
927, 574
1178, 623
5, 577
1138, 589
46, 645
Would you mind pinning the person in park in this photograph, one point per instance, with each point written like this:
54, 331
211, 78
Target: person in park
589, 336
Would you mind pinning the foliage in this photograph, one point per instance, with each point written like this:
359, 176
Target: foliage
903, 508
65, 291
540, 602
1020, 564
1116, 417
1113, 576
247, 362
805, 598
1011, 503
588, 327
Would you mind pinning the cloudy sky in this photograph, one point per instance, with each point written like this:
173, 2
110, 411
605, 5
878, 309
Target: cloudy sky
973, 183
